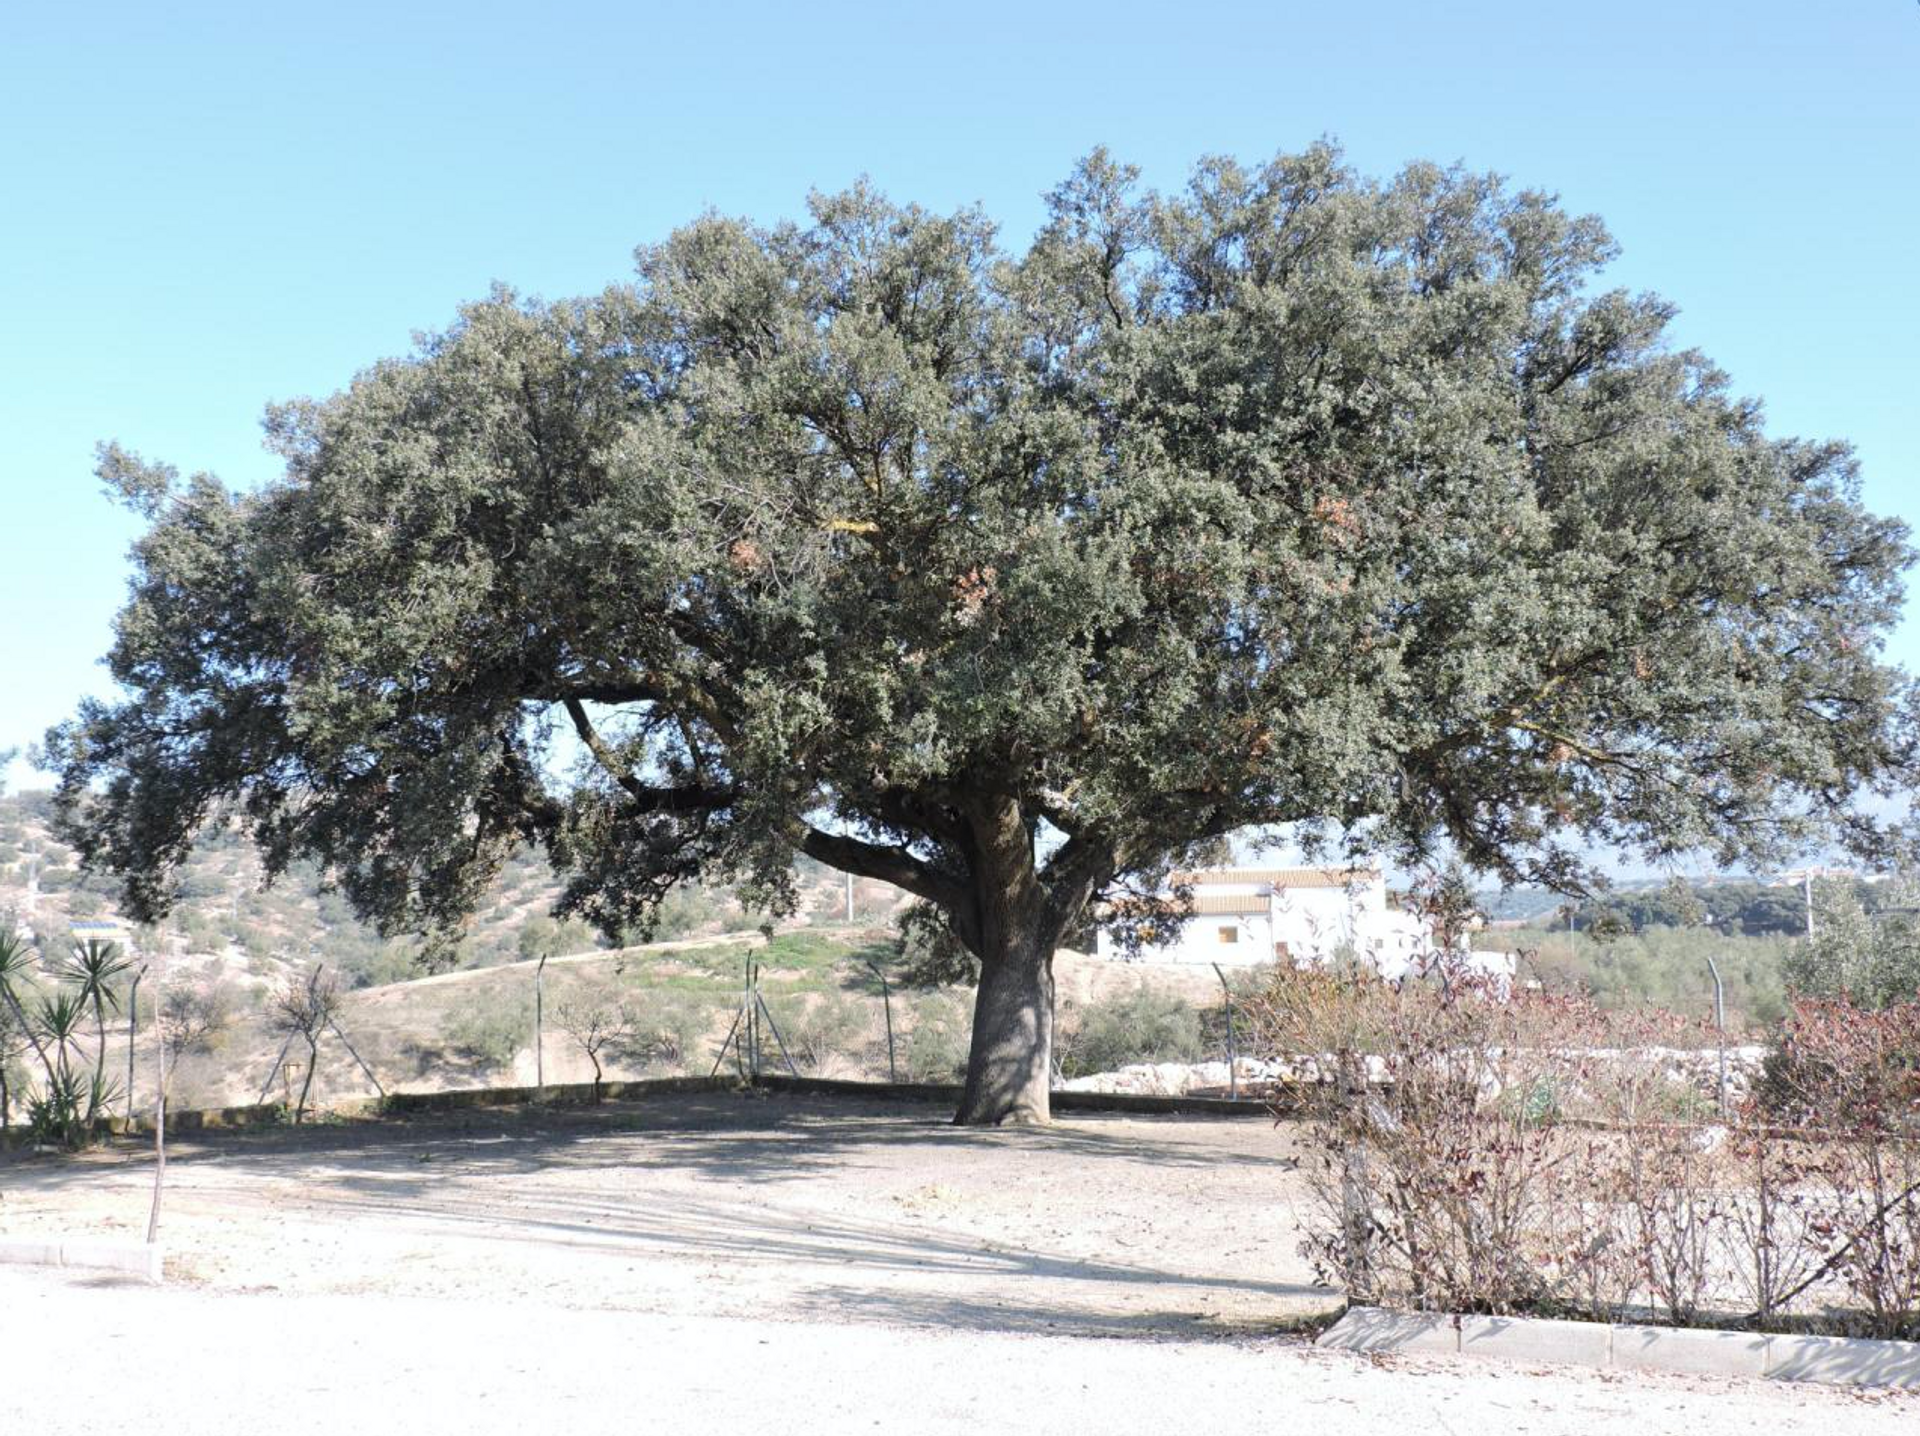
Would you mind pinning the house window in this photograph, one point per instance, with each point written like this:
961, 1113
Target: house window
1229, 934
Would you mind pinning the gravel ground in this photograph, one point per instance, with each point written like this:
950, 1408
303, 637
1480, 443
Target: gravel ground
806, 1264
762, 1205
187, 1362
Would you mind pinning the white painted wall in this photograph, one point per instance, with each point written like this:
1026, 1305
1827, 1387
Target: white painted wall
1307, 925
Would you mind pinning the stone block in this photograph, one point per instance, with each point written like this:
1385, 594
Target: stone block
25, 1251
1691, 1351
1844, 1361
139, 1259
1572, 1343
1368, 1328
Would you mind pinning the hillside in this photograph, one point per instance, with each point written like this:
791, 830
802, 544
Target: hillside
227, 912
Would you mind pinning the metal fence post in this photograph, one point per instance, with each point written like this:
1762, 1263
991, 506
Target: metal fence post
1233, 1065
886, 1005
539, 1023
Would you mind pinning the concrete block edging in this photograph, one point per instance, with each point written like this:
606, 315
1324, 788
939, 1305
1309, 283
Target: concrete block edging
138, 1259
1696, 1351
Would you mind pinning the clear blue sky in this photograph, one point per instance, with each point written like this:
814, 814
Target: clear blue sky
208, 207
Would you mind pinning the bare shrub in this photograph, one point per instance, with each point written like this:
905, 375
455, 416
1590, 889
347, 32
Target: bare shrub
598, 1022
1852, 1078
1539, 1154
196, 1016
1435, 1155
304, 1008
1776, 1233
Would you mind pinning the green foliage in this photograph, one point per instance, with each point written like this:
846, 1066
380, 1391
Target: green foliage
70, 1097
1750, 908
1663, 967
927, 953
1292, 497
686, 910
823, 1029
541, 936
1145, 1025
939, 1030
1871, 960
672, 1028
490, 1031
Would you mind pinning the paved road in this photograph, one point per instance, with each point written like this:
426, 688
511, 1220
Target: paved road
208, 1364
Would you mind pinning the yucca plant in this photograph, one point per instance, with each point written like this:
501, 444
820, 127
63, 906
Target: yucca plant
72, 1093
62, 1111
58, 1112
16, 966
95, 967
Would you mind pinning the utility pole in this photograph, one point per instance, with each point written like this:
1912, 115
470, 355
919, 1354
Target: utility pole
1809, 885
849, 899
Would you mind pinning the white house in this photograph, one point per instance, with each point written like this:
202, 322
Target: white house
1306, 916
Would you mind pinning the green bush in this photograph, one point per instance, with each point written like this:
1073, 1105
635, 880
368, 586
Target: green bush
819, 1029
489, 1032
671, 1030
940, 1029
1144, 1025
1660, 967
683, 912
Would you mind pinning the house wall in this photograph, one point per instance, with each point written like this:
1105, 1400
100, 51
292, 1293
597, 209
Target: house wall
1302, 924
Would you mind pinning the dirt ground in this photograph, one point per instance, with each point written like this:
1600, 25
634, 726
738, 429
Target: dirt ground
777, 1206
814, 1264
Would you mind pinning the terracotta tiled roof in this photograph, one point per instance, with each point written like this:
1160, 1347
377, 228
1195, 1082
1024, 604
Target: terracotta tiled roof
1278, 877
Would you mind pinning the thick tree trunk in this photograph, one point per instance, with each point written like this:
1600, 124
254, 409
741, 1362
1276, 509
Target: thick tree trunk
1010, 1066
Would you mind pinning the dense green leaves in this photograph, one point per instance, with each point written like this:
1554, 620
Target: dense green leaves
1293, 497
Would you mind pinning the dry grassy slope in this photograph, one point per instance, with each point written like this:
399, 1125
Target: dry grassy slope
226, 912
411, 1032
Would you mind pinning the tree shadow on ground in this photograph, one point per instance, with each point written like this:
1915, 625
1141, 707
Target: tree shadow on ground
956, 1313
737, 1232
750, 1136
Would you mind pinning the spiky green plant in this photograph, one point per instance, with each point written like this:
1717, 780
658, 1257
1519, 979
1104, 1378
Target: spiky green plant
57, 1113
95, 967
16, 963
72, 1095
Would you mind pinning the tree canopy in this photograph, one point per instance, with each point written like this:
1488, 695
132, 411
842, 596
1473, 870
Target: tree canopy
1012, 577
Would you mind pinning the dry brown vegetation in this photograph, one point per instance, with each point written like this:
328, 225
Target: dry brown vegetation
1543, 1155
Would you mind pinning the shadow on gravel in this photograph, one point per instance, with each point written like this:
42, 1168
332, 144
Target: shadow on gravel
729, 1231
745, 1136
1182, 1324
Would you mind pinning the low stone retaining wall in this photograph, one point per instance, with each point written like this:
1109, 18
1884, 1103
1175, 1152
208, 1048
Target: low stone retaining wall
181, 1121
139, 1259
1841, 1360
1063, 1100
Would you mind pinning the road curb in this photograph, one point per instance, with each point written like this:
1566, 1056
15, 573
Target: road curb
1694, 1351
142, 1259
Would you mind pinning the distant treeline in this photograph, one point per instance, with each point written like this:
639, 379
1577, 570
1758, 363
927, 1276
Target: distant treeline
1751, 909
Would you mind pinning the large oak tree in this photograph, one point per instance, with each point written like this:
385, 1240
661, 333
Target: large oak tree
1012, 579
